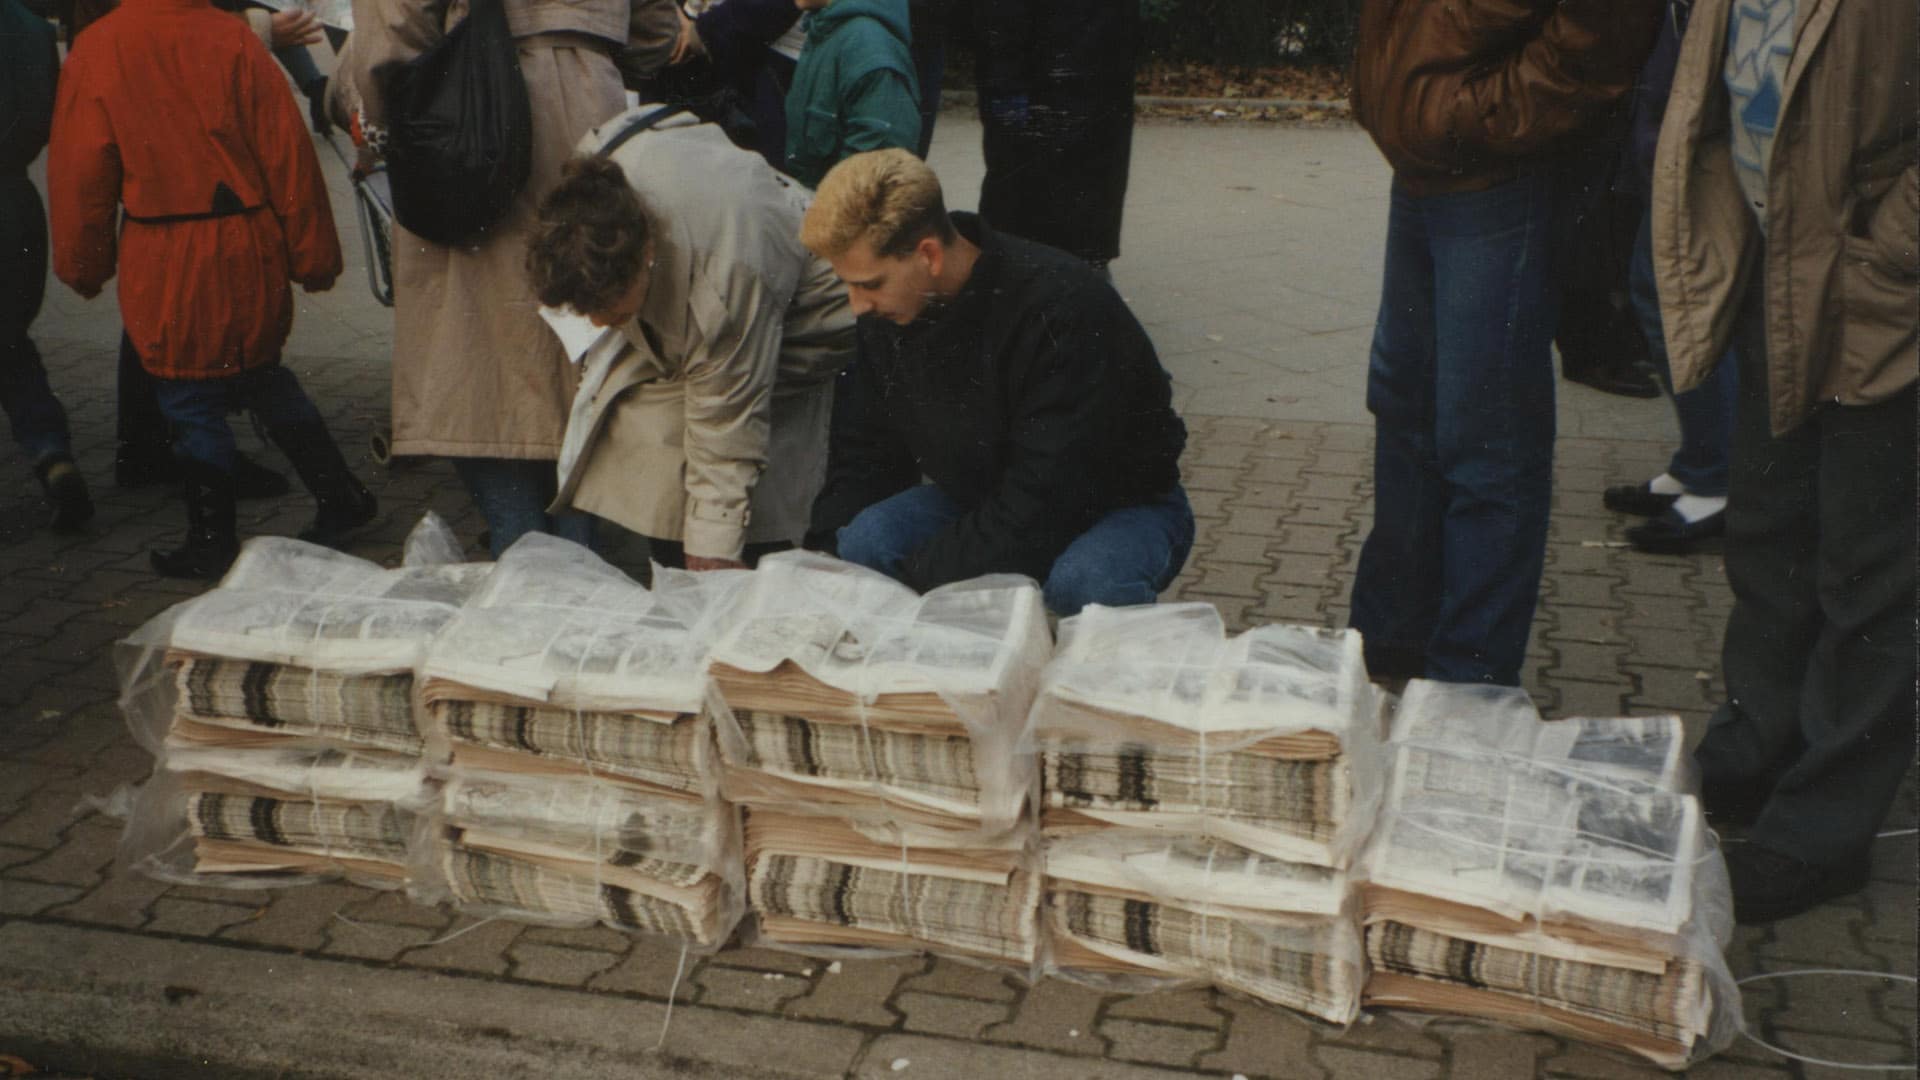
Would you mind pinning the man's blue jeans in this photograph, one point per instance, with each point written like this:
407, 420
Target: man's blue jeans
1461, 390
1126, 558
513, 496
1706, 411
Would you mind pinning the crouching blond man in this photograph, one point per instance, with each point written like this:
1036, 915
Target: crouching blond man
1006, 412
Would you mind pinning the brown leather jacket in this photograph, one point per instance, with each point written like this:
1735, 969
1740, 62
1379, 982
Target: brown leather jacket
1461, 95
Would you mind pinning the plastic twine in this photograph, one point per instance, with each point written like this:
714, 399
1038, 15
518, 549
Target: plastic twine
1747, 1033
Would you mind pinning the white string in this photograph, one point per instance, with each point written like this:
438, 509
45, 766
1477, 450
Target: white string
1892, 833
1823, 1062
672, 991
461, 931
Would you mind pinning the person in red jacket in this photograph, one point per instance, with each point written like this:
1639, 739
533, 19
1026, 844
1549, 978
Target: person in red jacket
174, 114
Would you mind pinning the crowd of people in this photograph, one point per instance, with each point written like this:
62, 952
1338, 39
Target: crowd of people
805, 346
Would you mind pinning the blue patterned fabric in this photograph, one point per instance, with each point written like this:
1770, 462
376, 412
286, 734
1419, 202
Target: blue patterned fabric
1759, 47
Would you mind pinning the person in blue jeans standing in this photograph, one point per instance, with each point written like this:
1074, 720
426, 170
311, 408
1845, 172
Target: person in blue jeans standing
29, 68
1005, 412
1687, 504
1471, 102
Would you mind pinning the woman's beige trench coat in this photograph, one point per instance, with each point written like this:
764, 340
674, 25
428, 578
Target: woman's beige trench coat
709, 424
476, 373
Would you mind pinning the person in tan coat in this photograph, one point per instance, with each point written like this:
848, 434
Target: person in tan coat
1786, 223
702, 423
477, 377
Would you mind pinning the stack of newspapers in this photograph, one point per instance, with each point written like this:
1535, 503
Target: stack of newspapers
1553, 876
280, 707
563, 707
871, 734
1203, 797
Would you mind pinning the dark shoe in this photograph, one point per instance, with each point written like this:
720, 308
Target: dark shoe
212, 539
139, 464
1671, 534
1395, 662
1626, 380
1769, 885
1638, 499
345, 503
66, 492
252, 480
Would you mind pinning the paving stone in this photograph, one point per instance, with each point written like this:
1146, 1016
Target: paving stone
33, 897
956, 979
194, 918
1214, 451
374, 941
1309, 539
1318, 511
1346, 1060
1208, 505
1209, 478
1581, 590
857, 993
603, 939
295, 918
1672, 688
648, 969
43, 817
938, 1014
1395, 1035
766, 960
1264, 1041
81, 859
1288, 606
122, 900
735, 988
394, 907
1266, 494
1305, 571
1192, 1008
1257, 520
1230, 579
1049, 1014
1582, 1062
1239, 548
1158, 1044
11, 855
1830, 1047
916, 1057
469, 945
557, 965
1496, 1055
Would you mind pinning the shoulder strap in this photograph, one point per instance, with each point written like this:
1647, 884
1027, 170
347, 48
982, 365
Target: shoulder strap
639, 125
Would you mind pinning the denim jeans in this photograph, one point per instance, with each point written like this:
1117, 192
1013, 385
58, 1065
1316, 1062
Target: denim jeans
1706, 411
513, 496
197, 410
1461, 389
1126, 558
38, 421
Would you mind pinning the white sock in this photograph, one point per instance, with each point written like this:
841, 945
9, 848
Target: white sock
1692, 508
1665, 484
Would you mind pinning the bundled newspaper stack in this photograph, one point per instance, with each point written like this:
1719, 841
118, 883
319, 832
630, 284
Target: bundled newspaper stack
872, 735
280, 708
1553, 876
563, 706
1203, 796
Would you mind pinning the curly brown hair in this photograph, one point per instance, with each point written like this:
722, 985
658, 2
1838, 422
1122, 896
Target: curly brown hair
589, 240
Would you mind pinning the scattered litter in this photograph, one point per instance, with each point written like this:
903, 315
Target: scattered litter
771, 976
1239, 1076
833, 968
1215, 337
1605, 543
806, 973
1703, 676
900, 1063
1073, 1033
1219, 114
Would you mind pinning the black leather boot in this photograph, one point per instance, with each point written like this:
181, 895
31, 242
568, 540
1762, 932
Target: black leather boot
345, 503
212, 539
66, 492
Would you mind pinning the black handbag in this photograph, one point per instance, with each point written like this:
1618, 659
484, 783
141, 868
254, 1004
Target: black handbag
459, 130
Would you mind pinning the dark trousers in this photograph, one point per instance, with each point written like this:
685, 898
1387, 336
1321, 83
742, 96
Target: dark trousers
139, 423
38, 421
197, 410
1819, 653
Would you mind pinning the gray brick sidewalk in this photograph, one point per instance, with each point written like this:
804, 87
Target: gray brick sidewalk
1263, 316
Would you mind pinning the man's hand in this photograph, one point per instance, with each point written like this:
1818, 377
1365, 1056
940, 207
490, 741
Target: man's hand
688, 45
294, 27
701, 562
319, 284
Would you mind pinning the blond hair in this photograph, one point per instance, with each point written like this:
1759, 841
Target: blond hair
888, 198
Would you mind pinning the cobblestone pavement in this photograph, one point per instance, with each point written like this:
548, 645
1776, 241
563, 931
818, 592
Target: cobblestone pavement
1282, 494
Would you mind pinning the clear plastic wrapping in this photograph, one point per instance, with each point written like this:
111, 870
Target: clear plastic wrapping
1642, 749
1154, 718
563, 665
573, 851
1592, 897
1134, 910
838, 686
844, 883
297, 642
265, 818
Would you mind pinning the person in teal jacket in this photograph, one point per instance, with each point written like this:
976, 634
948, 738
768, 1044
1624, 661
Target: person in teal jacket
854, 89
